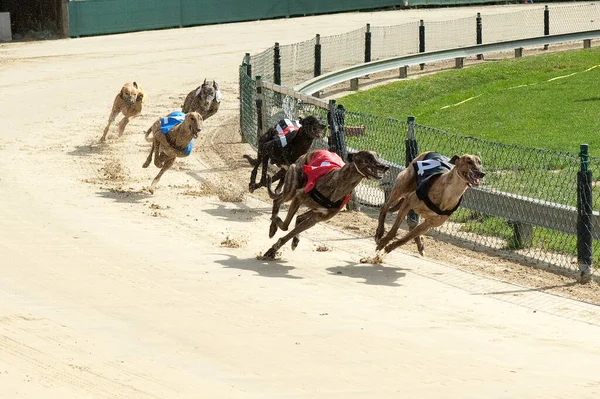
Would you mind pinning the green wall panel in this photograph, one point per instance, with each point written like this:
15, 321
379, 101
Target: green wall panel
93, 17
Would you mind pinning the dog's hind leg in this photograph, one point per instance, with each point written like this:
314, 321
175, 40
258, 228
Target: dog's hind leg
387, 207
402, 212
167, 164
418, 231
279, 176
253, 186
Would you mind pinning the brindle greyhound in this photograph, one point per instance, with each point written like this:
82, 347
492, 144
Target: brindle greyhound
175, 143
436, 206
329, 193
205, 99
272, 148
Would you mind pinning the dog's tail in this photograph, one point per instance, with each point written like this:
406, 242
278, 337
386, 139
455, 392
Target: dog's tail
147, 134
251, 160
273, 194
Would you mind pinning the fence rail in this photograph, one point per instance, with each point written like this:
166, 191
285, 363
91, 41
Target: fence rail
342, 75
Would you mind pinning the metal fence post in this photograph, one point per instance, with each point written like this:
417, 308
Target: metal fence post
368, 44
335, 118
276, 65
317, 55
332, 140
412, 150
247, 63
479, 32
260, 109
421, 40
584, 216
546, 24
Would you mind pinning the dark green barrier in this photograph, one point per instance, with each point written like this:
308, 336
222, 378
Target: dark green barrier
93, 17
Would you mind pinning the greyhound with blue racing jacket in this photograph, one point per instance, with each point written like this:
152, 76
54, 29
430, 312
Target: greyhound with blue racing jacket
433, 186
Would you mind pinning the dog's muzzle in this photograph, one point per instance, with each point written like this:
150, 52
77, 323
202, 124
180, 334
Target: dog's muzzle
475, 177
377, 172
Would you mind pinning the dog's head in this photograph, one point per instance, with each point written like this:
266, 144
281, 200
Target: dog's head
208, 93
368, 164
468, 168
131, 92
314, 126
193, 121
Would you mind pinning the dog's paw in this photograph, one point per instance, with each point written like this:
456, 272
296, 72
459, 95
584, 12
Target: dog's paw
272, 229
295, 242
271, 254
375, 260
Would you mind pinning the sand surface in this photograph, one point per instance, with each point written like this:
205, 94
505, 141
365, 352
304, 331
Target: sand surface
107, 291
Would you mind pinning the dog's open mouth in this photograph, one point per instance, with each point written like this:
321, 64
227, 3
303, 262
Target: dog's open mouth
474, 178
376, 172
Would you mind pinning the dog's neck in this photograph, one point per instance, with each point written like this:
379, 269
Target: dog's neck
341, 182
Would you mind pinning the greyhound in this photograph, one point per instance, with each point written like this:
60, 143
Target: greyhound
172, 138
321, 181
283, 145
434, 196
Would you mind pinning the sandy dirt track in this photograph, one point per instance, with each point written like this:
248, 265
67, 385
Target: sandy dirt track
107, 291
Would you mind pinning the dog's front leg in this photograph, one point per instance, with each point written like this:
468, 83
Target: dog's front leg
167, 164
111, 119
122, 125
149, 159
306, 224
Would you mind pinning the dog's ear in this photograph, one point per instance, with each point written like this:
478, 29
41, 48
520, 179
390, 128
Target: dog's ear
454, 159
215, 85
350, 156
135, 85
204, 81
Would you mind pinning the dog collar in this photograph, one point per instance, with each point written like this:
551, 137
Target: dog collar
359, 171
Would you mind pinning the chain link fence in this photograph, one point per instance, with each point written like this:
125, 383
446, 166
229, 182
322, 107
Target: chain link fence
532, 199
340, 51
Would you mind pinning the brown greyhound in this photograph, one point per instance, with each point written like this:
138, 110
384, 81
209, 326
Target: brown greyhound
129, 102
322, 182
168, 145
432, 186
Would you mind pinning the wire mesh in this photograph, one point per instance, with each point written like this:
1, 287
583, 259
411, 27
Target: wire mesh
343, 50
574, 18
442, 35
513, 26
394, 41
262, 65
297, 62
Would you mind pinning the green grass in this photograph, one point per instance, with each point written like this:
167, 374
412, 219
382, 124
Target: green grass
512, 101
